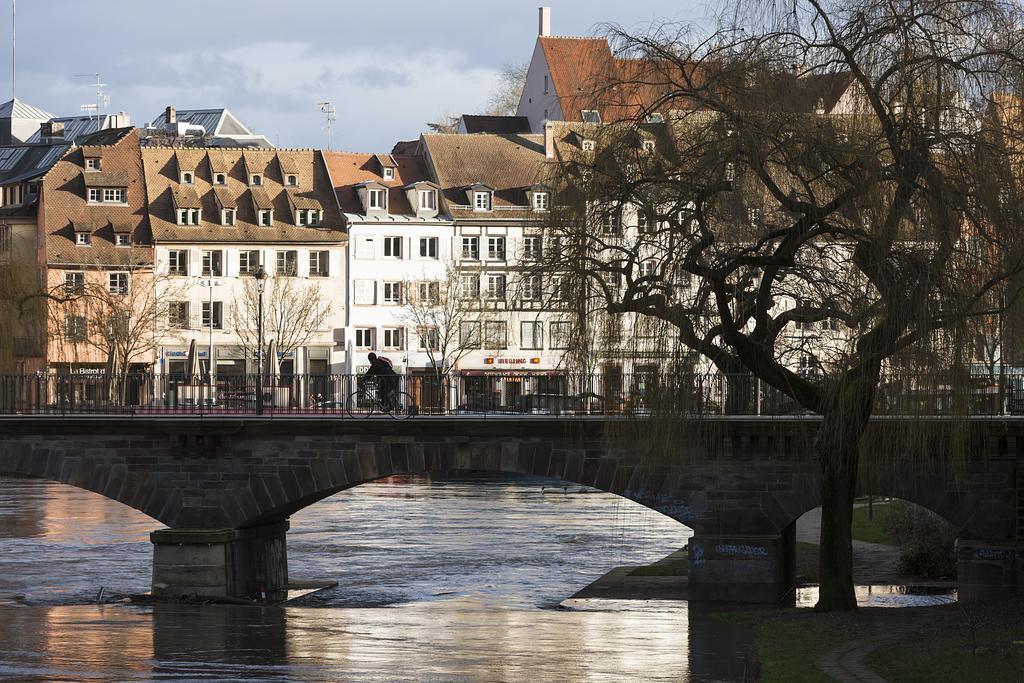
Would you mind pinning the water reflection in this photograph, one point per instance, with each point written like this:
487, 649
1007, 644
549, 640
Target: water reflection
453, 640
887, 596
439, 579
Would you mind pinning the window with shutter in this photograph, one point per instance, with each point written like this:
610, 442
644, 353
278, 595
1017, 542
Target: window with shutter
365, 291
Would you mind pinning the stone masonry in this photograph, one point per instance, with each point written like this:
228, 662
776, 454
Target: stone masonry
739, 483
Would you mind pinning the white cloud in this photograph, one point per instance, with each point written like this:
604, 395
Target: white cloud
275, 88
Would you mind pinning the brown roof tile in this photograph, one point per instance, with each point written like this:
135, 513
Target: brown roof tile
186, 197
350, 169
63, 199
507, 163
108, 178
302, 200
161, 178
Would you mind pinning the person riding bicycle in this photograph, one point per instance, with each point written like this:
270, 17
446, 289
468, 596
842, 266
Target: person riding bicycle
387, 379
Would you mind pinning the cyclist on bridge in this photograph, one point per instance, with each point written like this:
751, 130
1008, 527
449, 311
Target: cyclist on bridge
387, 378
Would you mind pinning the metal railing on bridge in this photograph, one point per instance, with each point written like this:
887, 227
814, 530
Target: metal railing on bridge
484, 393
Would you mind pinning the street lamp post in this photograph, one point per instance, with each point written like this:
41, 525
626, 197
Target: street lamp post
211, 283
261, 285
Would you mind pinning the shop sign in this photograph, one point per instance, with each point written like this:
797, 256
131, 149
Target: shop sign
492, 360
184, 354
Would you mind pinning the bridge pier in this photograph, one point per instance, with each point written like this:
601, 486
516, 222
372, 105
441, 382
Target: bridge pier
988, 570
744, 567
234, 563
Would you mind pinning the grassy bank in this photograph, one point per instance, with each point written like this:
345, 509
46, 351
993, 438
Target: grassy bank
789, 642
872, 530
989, 654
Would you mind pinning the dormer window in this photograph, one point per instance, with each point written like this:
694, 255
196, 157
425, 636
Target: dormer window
122, 239
307, 217
106, 195
291, 180
83, 239
187, 177
389, 174
266, 217
189, 216
481, 201
255, 179
377, 199
92, 163
220, 179
587, 145
428, 200
227, 217
541, 201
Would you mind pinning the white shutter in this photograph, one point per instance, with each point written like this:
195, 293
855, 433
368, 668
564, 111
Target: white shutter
365, 291
365, 248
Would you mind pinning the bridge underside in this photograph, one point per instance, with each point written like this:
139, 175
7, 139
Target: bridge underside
226, 487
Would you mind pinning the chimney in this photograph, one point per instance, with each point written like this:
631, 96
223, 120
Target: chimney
549, 139
171, 114
544, 23
52, 130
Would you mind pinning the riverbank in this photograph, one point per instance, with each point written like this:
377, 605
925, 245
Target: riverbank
947, 642
666, 579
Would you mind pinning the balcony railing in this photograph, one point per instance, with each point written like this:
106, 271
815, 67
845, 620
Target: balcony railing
486, 393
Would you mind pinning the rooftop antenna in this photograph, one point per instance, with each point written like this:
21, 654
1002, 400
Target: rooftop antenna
102, 99
328, 109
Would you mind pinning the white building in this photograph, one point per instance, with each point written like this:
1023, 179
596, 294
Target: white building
398, 238
216, 216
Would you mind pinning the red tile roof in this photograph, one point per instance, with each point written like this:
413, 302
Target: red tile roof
349, 169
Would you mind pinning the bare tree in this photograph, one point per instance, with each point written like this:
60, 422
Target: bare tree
121, 315
503, 100
438, 311
293, 313
820, 198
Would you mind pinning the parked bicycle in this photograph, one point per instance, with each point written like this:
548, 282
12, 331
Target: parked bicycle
366, 401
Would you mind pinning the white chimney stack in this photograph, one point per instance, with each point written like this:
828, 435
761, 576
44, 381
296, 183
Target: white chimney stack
544, 25
549, 139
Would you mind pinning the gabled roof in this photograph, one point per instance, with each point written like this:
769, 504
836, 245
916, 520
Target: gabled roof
302, 200
220, 124
226, 199
349, 170
186, 197
18, 109
260, 198
288, 165
506, 163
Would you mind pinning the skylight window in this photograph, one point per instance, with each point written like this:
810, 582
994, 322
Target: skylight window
591, 116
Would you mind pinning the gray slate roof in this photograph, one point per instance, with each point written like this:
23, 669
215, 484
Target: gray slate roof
17, 109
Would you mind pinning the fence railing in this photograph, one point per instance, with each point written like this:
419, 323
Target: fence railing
470, 393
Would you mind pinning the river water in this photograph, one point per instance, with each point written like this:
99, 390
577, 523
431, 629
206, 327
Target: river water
440, 578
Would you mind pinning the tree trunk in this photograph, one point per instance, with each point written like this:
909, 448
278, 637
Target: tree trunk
838, 449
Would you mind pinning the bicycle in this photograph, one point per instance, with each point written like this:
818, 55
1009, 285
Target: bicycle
366, 402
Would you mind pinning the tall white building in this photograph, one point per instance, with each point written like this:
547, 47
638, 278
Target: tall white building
398, 238
217, 216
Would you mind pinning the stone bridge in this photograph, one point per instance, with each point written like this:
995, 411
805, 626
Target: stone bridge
225, 486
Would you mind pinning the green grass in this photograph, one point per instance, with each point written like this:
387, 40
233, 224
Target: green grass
1000, 657
871, 530
789, 642
674, 568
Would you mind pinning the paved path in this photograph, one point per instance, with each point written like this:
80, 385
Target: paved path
872, 562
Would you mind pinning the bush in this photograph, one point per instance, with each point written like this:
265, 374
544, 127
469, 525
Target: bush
925, 541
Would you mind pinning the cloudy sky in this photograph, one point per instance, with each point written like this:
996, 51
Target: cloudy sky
387, 66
